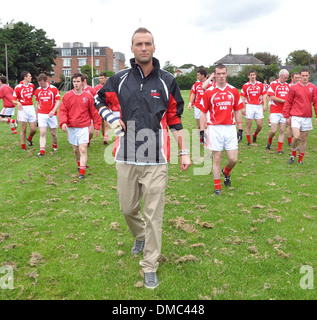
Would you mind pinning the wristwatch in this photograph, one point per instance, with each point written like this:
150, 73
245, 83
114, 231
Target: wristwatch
183, 152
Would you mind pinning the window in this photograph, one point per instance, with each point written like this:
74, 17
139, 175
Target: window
81, 52
97, 52
82, 62
67, 72
66, 52
97, 72
97, 63
67, 62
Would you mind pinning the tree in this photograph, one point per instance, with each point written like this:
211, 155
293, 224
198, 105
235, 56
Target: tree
299, 58
268, 58
28, 50
169, 67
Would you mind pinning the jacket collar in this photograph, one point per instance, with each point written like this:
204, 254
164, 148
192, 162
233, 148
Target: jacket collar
137, 67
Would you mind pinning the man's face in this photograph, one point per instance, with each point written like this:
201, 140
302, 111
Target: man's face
199, 76
43, 84
284, 77
304, 77
28, 78
143, 48
296, 78
102, 80
252, 76
221, 76
78, 84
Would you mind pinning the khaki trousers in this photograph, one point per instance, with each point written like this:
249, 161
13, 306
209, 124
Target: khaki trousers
150, 182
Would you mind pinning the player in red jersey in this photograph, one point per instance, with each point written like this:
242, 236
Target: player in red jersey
278, 92
48, 101
298, 108
6, 94
195, 99
289, 133
93, 92
253, 95
104, 124
224, 105
26, 113
75, 115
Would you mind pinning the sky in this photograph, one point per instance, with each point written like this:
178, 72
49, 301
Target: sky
198, 32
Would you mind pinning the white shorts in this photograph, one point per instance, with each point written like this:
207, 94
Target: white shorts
303, 124
277, 118
222, 137
8, 112
254, 111
44, 120
27, 114
197, 113
77, 136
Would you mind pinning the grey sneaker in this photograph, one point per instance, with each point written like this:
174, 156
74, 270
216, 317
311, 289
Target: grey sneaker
30, 142
227, 179
151, 280
268, 146
291, 160
217, 192
138, 246
81, 177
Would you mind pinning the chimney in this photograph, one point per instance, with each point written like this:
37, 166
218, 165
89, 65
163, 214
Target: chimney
247, 50
230, 51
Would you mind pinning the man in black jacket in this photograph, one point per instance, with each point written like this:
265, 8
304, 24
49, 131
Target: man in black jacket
150, 102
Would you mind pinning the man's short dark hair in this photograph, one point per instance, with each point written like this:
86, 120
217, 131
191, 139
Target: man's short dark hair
305, 70
220, 66
202, 71
103, 74
24, 74
251, 71
3, 79
142, 30
42, 77
78, 75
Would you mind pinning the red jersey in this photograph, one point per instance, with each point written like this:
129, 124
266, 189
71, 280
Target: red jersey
6, 93
98, 87
24, 94
91, 90
299, 101
253, 92
279, 90
198, 91
47, 98
77, 110
221, 104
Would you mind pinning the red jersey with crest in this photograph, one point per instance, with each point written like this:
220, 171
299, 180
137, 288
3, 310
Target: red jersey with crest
6, 93
91, 90
24, 94
77, 110
279, 90
221, 104
253, 92
47, 98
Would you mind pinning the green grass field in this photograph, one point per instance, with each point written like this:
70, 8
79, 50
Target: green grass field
66, 239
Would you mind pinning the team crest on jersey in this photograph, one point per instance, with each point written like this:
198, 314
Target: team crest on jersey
85, 100
311, 90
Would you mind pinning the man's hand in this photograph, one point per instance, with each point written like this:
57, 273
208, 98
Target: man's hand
189, 106
239, 135
64, 127
184, 162
288, 121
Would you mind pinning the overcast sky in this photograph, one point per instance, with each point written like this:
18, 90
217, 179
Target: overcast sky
185, 31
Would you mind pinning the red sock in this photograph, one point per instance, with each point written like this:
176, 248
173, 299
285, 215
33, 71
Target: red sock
11, 120
42, 150
248, 138
279, 147
226, 171
294, 152
289, 140
270, 140
82, 170
300, 156
78, 162
13, 130
217, 184
55, 145
255, 134
23, 146
29, 138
